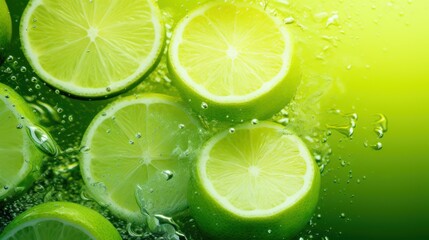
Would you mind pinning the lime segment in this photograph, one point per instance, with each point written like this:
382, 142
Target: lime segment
236, 58
92, 48
140, 143
261, 177
60, 220
19, 158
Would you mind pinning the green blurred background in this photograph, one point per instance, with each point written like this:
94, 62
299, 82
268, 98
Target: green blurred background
365, 57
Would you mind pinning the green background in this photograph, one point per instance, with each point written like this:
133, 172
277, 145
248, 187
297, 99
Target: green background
366, 57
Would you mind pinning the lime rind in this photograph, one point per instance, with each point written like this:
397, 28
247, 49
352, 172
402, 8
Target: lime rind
109, 86
18, 118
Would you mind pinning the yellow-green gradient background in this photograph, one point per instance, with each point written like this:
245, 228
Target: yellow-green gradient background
378, 62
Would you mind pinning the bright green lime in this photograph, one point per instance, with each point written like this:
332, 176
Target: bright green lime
20, 160
92, 48
5, 29
137, 151
60, 221
233, 61
254, 182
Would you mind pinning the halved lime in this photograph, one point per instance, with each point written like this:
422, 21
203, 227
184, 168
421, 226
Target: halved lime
60, 221
20, 159
233, 61
92, 48
140, 144
5, 29
259, 182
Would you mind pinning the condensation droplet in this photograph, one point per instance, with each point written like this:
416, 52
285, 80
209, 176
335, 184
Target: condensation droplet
204, 105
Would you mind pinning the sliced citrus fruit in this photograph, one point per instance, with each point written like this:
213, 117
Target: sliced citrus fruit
92, 48
20, 159
5, 29
259, 182
140, 145
233, 61
60, 221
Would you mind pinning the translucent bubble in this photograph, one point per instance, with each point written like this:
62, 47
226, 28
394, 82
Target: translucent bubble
168, 174
43, 140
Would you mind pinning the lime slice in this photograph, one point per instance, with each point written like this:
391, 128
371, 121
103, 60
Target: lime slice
140, 145
60, 221
19, 158
259, 182
92, 48
5, 29
233, 61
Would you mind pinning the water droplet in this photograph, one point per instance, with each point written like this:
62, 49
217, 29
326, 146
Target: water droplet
131, 142
138, 135
168, 174
288, 20
255, 121
133, 232
23, 69
43, 140
108, 89
231, 130
19, 126
204, 105
181, 126
269, 231
377, 146
380, 126
342, 215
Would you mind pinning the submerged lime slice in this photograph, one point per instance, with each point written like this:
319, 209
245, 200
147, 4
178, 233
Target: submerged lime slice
140, 146
233, 61
260, 182
92, 48
19, 158
60, 221
5, 28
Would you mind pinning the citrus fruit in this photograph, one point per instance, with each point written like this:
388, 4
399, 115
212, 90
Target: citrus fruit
259, 182
92, 48
20, 159
140, 144
60, 221
233, 61
5, 29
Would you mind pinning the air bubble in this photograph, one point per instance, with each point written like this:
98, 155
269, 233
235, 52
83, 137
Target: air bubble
43, 140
